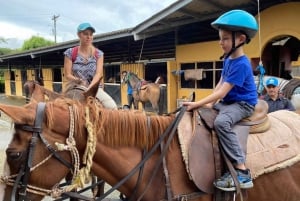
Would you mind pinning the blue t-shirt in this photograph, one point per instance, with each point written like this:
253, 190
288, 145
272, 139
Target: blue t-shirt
129, 89
238, 72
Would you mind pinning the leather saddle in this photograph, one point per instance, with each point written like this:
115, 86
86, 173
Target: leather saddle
204, 160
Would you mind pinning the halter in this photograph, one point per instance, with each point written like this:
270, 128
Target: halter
21, 181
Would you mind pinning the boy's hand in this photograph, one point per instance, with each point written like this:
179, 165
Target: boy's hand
190, 105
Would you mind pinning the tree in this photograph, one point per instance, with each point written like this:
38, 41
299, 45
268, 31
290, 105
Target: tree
2, 40
4, 50
36, 42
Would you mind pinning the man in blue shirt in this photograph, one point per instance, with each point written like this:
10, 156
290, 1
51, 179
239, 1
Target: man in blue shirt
130, 99
274, 99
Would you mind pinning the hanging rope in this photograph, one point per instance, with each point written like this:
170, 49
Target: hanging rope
260, 67
141, 50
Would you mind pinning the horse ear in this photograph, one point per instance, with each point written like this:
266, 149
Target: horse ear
20, 115
92, 91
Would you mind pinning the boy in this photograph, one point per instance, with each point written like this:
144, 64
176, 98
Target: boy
236, 92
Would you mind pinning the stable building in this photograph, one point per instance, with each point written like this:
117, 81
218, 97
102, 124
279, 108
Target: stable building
176, 42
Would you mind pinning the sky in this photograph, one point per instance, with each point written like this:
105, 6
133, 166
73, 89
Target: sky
19, 19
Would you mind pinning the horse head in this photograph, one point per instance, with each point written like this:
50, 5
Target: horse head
28, 157
39, 128
36, 92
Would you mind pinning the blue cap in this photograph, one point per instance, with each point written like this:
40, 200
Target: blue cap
85, 26
272, 81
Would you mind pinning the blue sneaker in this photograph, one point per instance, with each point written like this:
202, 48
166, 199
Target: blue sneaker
226, 182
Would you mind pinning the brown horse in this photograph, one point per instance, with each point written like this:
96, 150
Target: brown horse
143, 91
120, 139
74, 90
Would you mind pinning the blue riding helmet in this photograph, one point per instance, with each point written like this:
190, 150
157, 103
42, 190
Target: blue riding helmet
84, 26
237, 20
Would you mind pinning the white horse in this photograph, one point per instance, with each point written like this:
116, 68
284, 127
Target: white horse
294, 97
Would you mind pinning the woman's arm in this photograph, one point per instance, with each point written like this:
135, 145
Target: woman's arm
68, 69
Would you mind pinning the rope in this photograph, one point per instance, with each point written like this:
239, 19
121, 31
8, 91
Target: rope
83, 175
141, 50
260, 66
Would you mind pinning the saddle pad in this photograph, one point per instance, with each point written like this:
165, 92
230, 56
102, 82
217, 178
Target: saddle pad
276, 148
185, 133
197, 151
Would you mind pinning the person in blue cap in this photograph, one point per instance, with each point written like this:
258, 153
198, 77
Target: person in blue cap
85, 62
275, 100
235, 95
130, 99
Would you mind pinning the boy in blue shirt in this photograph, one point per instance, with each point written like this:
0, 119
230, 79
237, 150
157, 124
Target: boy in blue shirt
236, 92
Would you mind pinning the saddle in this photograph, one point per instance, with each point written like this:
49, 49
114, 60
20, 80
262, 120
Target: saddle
197, 148
272, 145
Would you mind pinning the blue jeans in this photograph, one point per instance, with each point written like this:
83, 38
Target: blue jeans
229, 115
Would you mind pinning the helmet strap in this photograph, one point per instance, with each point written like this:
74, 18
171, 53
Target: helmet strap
233, 48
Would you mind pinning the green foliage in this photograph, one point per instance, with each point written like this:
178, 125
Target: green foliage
5, 51
2, 40
36, 42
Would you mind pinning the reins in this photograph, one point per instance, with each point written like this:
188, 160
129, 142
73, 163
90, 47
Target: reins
171, 129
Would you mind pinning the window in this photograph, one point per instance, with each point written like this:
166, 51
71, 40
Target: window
112, 74
57, 75
12, 75
210, 76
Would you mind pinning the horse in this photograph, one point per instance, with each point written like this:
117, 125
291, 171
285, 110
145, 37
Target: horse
73, 90
126, 144
143, 91
289, 88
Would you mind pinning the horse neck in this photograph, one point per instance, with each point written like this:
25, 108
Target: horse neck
134, 82
112, 164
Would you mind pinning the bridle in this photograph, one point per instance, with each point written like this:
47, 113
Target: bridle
125, 78
21, 181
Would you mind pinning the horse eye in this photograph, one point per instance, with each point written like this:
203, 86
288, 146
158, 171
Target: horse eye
13, 155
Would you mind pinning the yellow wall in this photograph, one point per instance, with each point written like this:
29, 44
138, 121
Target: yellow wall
18, 83
280, 20
7, 83
172, 86
48, 78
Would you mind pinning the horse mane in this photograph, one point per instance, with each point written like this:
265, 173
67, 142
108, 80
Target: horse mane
127, 128
78, 113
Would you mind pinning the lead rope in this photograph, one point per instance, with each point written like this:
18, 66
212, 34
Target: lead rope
82, 176
260, 67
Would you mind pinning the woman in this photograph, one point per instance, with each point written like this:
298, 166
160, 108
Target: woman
85, 62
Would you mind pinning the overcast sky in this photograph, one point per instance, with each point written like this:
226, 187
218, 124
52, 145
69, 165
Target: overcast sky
21, 19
